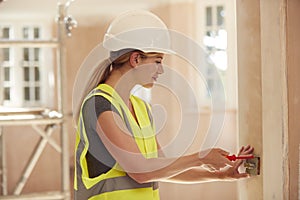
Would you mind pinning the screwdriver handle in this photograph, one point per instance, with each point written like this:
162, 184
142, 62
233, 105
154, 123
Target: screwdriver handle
234, 157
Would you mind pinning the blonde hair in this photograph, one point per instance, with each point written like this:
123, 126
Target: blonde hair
102, 73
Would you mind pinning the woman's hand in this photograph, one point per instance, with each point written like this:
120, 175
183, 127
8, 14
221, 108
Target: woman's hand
214, 159
216, 164
232, 173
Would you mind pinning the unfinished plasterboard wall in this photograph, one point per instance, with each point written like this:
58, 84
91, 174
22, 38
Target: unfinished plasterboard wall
269, 95
249, 88
293, 82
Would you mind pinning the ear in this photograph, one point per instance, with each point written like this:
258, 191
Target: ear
134, 59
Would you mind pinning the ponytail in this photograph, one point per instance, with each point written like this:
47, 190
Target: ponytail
101, 73
97, 76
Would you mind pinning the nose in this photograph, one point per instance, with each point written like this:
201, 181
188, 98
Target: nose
160, 69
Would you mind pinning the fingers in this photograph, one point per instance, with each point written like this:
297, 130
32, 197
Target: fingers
249, 151
237, 164
241, 150
233, 172
228, 162
222, 162
224, 159
216, 158
223, 152
246, 150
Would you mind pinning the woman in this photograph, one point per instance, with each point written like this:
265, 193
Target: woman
117, 154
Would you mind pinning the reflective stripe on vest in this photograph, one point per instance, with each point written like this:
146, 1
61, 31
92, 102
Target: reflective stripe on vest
116, 184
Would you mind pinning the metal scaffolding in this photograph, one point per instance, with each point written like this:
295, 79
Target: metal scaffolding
36, 118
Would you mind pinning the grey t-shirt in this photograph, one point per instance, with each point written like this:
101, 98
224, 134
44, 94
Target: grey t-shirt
99, 160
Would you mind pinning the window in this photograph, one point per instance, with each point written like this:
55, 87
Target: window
31, 67
220, 15
216, 31
208, 16
215, 42
6, 73
23, 70
5, 33
6, 65
36, 33
6, 54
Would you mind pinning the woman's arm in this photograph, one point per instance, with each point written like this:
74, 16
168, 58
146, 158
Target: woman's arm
199, 175
124, 149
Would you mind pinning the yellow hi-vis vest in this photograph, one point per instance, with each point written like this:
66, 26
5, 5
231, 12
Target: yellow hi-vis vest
116, 184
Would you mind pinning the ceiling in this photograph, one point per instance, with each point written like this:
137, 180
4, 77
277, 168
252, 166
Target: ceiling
79, 8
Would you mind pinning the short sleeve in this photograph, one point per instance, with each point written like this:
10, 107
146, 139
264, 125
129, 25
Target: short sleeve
98, 104
99, 160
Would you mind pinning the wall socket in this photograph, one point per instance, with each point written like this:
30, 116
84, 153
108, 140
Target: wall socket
252, 166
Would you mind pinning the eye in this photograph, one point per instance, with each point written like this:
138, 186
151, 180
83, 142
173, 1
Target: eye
158, 62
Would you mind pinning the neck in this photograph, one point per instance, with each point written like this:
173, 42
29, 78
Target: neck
121, 83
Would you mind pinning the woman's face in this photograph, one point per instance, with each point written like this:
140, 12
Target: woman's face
149, 69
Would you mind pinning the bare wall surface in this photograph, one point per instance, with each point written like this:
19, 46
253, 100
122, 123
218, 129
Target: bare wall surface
275, 132
249, 89
293, 72
271, 84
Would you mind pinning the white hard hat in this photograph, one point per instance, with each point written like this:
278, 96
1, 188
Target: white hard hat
138, 29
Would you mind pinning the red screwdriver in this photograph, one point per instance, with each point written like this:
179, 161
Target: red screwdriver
234, 157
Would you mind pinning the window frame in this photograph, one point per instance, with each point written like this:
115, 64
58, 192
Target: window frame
42, 86
228, 77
